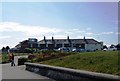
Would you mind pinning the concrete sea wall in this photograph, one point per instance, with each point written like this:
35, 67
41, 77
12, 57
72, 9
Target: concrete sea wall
66, 74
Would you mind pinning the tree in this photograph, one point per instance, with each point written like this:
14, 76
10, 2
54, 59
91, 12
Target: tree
118, 46
3, 49
7, 48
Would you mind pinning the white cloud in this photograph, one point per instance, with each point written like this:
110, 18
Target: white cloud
4, 37
60, 36
11, 31
80, 37
89, 33
82, 31
69, 32
105, 33
87, 37
77, 30
27, 29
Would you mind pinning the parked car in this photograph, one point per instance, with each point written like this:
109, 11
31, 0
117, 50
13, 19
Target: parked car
112, 48
78, 50
105, 49
63, 49
74, 50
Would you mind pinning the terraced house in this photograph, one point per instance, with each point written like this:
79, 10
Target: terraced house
87, 44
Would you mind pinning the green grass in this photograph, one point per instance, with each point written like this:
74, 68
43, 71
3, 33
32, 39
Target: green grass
100, 61
20, 54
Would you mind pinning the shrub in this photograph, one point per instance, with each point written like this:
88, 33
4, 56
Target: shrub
31, 56
39, 52
5, 58
37, 59
48, 51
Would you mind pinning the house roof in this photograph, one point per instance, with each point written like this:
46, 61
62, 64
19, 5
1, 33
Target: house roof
66, 41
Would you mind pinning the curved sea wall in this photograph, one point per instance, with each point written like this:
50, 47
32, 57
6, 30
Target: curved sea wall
66, 74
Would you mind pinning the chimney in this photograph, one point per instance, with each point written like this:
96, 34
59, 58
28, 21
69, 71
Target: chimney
69, 41
44, 38
84, 38
68, 38
52, 38
53, 42
45, 42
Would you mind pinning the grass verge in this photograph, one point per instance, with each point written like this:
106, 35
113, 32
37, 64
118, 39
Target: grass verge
99, 61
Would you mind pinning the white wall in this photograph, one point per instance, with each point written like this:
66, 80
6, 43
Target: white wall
93, 46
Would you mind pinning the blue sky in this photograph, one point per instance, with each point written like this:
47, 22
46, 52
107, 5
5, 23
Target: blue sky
23, 20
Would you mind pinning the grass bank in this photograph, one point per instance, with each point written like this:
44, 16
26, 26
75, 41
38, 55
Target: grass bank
100, 61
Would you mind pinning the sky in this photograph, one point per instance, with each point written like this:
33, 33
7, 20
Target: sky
22, 20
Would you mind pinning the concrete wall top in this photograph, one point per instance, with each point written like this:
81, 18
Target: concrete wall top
85, 74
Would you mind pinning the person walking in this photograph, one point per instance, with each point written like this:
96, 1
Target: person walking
9, 56
12, 60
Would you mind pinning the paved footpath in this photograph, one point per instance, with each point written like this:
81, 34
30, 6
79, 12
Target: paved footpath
19, 72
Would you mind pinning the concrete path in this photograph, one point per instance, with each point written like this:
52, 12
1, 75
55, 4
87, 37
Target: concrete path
19, 72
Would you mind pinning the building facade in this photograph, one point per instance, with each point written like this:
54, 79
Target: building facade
87, 44
50, 44
30, 43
